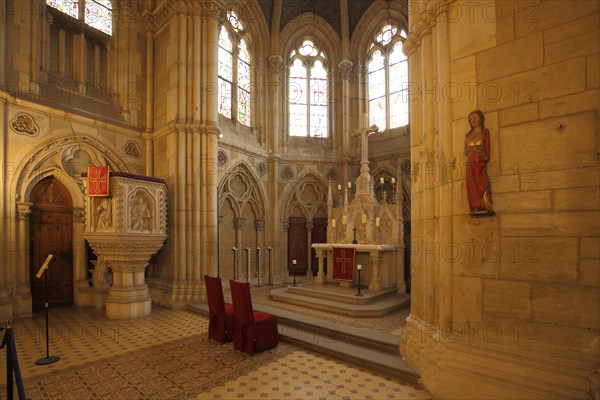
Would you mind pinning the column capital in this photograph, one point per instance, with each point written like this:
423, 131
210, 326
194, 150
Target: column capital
345, 67
24, 209
309, 225
276, 62
239, 222
259, 224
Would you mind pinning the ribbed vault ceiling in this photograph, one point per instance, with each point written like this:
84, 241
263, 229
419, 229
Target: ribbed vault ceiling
329, 10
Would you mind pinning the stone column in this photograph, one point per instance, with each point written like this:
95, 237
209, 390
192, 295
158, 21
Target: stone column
238, 222
149, 104
446, 201
22, 271
213, 14
345, 71
321, 278
80, 277
375, 283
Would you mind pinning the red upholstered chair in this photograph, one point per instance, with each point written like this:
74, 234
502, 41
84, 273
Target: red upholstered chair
254, 331
221, 322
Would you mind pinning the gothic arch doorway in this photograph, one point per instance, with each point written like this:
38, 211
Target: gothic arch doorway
51, 231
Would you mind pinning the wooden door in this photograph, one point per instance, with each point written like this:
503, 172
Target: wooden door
319, 235
51, 231
297, 246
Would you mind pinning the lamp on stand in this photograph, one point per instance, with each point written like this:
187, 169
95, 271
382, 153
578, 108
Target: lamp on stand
358, 269
294, 272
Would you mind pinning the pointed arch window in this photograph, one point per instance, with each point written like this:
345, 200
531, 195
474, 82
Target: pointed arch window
387, 70
96, 13
234, 71
307, 90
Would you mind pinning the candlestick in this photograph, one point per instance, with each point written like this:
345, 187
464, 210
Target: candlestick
363, 219
294, 272
349, 185
344, 220
393, 181
364, 232
339, 187
358, 270
381, 180
377, 221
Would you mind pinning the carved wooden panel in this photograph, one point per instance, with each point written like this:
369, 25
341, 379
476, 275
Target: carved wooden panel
51, 231
297, 246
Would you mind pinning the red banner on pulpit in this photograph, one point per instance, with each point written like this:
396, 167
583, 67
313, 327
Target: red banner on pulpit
97, 180
343, 264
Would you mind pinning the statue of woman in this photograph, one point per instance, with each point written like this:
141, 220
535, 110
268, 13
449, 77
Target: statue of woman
477, 150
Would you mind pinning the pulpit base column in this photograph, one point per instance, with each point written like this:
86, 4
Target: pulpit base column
128, 302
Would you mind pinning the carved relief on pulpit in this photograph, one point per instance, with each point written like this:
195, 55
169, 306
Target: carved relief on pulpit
104, 215
140, 217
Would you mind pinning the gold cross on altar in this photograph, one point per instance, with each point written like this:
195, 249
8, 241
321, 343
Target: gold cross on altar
343, 259
97, 179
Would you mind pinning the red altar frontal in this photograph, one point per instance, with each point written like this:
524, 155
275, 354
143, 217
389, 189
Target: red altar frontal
379, 264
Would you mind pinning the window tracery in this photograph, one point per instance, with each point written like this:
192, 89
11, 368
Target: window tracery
308, 91
96, 13
387, 75
234, 67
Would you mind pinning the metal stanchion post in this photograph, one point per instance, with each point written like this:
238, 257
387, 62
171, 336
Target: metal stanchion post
235, 262
270, 261
247, 263
258, 266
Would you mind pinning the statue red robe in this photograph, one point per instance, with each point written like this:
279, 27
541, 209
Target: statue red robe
479, 190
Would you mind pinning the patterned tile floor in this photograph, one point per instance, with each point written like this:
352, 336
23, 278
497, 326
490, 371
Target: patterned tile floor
90, 345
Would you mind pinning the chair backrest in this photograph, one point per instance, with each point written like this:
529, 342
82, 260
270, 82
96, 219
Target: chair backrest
214, 294
242, 302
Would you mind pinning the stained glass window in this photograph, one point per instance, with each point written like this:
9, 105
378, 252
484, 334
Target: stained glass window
377, 101
243, 82
234, 71
225, 73
318, 100
98, 14
69, 7
297, 95
398, 87
307, 92
236, 24
388, 80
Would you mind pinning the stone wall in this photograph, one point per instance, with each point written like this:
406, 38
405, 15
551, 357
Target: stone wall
506, 306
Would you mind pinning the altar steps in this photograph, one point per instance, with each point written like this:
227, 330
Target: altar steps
371, 349
342, 300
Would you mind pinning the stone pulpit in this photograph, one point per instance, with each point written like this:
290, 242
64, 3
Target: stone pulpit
124, 229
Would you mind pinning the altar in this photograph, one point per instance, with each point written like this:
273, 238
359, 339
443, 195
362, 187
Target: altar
379, 264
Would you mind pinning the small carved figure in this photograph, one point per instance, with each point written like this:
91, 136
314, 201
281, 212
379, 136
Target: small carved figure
140, 214
104, 215
477, 150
